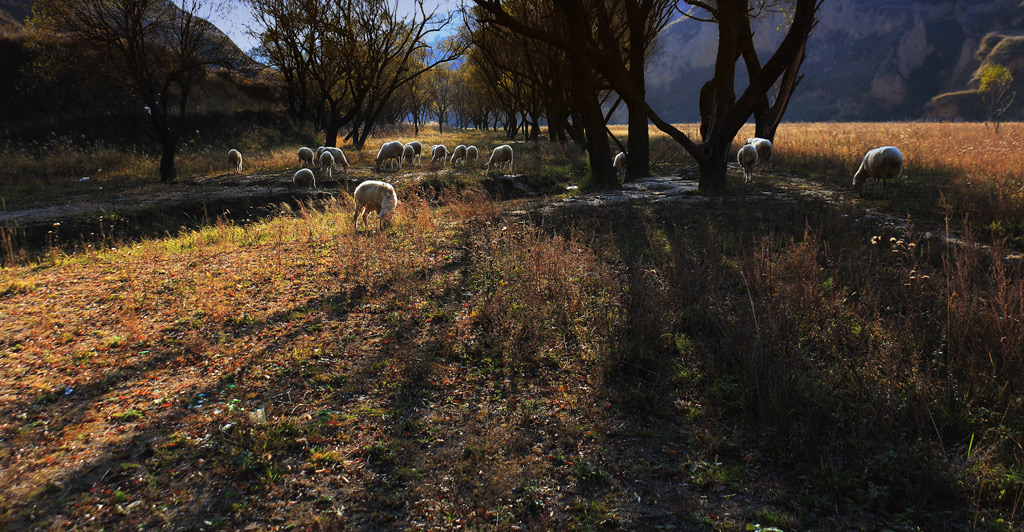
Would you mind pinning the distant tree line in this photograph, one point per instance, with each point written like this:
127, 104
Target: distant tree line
348, 65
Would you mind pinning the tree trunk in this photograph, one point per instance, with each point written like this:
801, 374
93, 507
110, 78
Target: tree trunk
584, 95
168, 174
713, 167
638, 158
331, 130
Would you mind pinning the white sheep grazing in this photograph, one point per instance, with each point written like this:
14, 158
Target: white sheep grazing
459, 154
376, 196
417, 151
501, 155
235, 161
472, 154
764, 150
438, 154
388, 151
305, 157
408, 154
620, 166
879, 164
747, 157
326, 164
305, 177
316, 157
339, 158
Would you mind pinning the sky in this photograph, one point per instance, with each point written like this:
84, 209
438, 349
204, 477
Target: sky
232, 17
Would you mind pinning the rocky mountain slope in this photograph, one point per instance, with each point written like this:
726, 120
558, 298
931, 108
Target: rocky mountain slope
866, 60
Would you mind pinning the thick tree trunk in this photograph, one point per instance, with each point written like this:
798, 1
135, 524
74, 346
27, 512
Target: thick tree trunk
168, 173
639, 145
713, 167
331, 130
584, 95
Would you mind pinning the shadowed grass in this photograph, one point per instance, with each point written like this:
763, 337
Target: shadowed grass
780, 361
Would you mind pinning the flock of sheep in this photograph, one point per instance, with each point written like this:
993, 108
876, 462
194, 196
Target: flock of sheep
378, 196
879, 164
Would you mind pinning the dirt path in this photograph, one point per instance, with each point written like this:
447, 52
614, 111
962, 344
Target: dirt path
256, 190
226, 188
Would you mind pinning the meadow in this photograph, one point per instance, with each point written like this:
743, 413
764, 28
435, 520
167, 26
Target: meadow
759, 359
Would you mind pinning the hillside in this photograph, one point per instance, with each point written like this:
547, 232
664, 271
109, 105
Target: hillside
867, 59
15, 10
968, 104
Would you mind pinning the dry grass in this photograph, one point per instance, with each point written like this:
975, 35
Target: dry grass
962, 170
780, 362
979, 172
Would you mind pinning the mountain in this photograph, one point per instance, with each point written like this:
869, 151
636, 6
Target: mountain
866, 59
14, 12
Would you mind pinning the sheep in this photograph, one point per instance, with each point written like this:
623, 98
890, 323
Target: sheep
388, 151
620, 166
764, 150
438, 153
501, 155
416, 150
747, 157
376, 196
326, 163
305, 177
319, 150
472, 154
235, 160
339, 158
305, 157
879, 164
459, 154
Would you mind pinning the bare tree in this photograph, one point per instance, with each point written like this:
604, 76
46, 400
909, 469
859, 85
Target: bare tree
519, 74
565, 27
416, 97
355, 54
442, 87
159, 50
591, 33
285, 43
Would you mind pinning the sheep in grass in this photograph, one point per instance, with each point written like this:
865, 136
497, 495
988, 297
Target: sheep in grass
305, 157
472, 154
459, 154
747, 157
499, 157
326, 164
390, 151
619, 163
235, 161
305, 178
339, 158
438, 154
879, 164
316, 157
413, 149
764, 150
408, 154
376, 196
